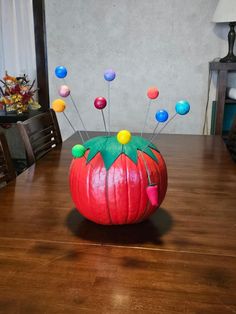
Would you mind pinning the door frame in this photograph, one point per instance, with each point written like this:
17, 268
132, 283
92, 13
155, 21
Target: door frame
41, 53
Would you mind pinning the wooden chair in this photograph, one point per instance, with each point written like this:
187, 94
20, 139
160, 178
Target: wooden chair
40, 134
7, 171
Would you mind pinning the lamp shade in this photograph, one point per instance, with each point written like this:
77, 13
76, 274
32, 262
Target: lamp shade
225, 11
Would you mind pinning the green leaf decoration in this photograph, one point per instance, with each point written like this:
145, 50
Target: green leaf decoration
130, 151
110, 149
95, 146
150, 153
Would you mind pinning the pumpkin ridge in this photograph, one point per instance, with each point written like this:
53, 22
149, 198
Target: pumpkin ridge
147, 203
159, 184
115, 192
77, 170
163, 179
107, 198
154, 169
139, 166
87, 187
127, 190
140, 191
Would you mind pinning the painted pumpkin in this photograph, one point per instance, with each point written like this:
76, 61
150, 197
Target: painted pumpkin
109, 183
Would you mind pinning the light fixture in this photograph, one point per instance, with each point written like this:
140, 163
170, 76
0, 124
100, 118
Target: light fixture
226, 13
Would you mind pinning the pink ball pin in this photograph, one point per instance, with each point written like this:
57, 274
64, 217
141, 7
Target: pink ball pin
64, 91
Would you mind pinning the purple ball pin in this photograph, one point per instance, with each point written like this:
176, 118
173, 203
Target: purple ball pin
109, 75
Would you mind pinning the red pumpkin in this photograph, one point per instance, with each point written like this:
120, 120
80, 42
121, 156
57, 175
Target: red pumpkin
108, 184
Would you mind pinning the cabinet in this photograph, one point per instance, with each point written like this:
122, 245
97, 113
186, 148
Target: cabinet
223, 69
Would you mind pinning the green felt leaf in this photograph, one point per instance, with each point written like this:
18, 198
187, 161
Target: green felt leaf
96, 141
95, 146
149, 152
92, 153
131, 152
111, 149
110, 152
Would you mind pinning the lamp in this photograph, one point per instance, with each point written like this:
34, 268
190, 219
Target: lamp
226, 13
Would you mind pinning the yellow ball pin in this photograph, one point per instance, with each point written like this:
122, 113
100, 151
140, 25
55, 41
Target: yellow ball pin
123, 137
58, 105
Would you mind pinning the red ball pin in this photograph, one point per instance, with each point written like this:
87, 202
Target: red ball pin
100, 103
152, 93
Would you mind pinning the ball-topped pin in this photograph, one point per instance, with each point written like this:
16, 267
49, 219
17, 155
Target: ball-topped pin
64, 91
60, 72
182, 107
100, 103
58, 105
123, 137
78, 151
161, 115
152, 92
109, 75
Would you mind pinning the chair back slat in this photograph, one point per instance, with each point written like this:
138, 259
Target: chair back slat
42, 138
44, 147
7, 171
40, 134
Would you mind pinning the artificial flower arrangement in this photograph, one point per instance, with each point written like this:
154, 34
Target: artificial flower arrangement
17, 94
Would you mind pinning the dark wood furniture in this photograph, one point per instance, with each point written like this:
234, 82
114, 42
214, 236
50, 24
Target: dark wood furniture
7, 171
182, 260
14, 118
40, 134
41, 53
223, 69
231, 141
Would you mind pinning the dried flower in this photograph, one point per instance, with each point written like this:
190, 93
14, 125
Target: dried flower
17, 94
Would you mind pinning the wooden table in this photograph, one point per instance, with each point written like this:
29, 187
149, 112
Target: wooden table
182, 260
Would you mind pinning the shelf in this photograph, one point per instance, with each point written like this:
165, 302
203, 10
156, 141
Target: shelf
230, 101
221, 66
13, 118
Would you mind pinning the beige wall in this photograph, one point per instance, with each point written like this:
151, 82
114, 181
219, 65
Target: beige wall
167, 43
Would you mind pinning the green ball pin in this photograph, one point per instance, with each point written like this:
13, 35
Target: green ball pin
78, 151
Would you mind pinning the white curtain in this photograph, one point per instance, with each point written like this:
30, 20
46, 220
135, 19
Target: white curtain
17, 48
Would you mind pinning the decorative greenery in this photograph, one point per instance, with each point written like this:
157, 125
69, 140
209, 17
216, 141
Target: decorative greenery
111, 149
16, 94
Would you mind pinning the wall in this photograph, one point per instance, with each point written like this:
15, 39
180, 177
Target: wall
167, 43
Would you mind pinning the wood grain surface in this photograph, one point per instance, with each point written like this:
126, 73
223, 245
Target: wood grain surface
182, 260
